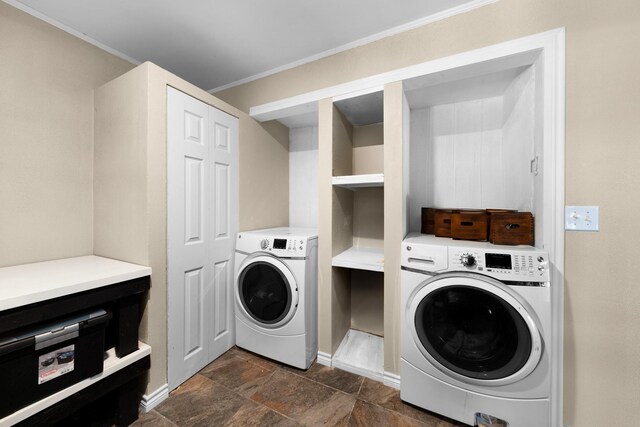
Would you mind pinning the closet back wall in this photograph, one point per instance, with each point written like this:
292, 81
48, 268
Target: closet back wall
47, 79
303, 177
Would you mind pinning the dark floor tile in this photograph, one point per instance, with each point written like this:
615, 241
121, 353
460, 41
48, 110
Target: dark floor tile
240, 375
332, 412
366, 414
202, 402
239, 352
152, 419
260, 416
224, 359
377, 393
221, 413
283, 396
333, 377
304, 400
256, 358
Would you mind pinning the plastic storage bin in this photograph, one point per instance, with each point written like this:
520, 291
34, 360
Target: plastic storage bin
47, 358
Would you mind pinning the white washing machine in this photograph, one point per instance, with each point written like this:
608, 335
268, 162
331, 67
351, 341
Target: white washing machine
476, 324
276, 290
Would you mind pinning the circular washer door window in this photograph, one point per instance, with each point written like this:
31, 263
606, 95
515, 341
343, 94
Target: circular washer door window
475, 331
267, 291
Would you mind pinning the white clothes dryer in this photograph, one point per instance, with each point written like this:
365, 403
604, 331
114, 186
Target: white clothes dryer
276, 294
476, 320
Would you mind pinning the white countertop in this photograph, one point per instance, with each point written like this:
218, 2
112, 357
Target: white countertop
29, 283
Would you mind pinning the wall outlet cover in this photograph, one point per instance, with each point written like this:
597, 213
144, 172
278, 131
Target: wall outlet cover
582, 218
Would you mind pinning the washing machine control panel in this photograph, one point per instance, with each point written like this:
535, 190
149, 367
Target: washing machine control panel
503, 265
508, 263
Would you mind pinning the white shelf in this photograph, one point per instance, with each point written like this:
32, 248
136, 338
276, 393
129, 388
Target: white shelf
371, 259
353, 182
111, 365
362, 354
30, 283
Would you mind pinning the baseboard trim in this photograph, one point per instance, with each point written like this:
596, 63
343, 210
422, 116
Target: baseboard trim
391, 380
387, 378
151, 400
324, 359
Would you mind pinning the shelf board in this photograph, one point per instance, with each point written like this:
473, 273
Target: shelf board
371, 259
30, 283
112, 364
362, 354
353, 182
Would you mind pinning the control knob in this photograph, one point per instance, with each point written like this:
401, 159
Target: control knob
468, 260
264, 243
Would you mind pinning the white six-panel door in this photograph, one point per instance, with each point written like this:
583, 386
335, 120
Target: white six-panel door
202, 220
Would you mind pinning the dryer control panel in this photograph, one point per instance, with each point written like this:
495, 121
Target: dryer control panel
281, 247
507, 263
281, 242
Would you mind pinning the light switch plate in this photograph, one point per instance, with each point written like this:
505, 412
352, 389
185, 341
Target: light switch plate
581, 218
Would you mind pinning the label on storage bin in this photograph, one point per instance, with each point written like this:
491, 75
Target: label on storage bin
55, 364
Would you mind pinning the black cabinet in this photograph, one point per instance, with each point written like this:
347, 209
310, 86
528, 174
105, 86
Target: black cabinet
113, 399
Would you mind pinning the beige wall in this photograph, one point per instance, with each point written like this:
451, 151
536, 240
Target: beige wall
120, 168
47, 79
368, 203
367, 288
325, 225
264, 195
602, 349
367, 301
394, 214
341, 230
367, 149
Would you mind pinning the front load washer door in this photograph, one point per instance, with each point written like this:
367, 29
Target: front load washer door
474, 329
266, 291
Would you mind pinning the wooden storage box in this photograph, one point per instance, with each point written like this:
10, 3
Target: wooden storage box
512, 228
493, 211
469, 225
490, 212
428, 221
442, 222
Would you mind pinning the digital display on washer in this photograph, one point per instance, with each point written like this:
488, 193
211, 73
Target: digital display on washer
279, 243
502, 261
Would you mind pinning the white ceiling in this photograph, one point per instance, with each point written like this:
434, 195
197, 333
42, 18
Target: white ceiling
219, 43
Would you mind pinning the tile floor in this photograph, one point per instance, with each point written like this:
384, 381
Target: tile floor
244, 389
